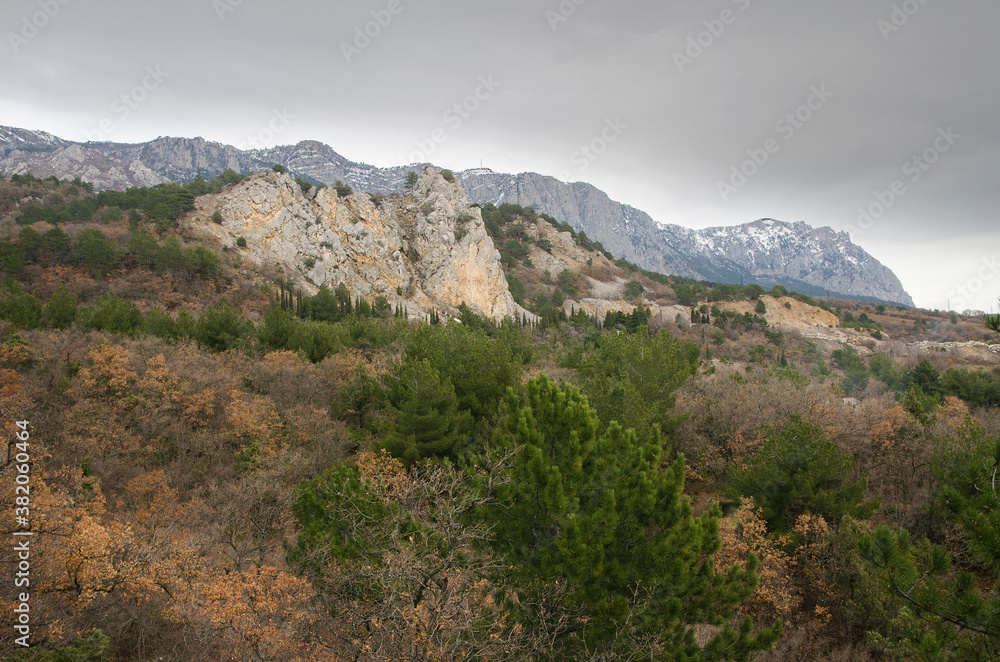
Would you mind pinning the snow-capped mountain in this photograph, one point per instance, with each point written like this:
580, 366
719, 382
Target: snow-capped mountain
810, 260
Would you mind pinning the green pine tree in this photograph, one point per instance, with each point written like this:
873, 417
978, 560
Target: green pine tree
602, 519
96, 252
631, 378
221, 327
425, 420
61, 310
799, 470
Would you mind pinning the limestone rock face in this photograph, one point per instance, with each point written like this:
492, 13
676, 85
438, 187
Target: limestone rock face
426, 251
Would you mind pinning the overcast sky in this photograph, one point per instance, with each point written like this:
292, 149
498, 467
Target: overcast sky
699, 113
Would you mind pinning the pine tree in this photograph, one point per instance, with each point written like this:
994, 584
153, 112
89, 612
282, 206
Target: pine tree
221, 327
631, 377
61, 310
185, 322
992, 322
277, 327
479, 367
424, 412
96, 252
325, 306
600, 516
411, 182
343, 296
799, 470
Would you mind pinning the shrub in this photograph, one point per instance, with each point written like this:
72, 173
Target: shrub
221, 327
142, 248
113, 314
798, 470
96, 252
241, 242
517, 290
158, 323
18, 306
169, 256
200, 260
11, 262
342, 189
568, 282
60, 312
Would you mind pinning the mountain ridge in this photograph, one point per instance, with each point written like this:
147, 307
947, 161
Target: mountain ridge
811, 260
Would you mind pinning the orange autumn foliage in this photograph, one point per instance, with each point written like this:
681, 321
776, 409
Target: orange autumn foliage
109, 374
261, 613
746, 532
253, 421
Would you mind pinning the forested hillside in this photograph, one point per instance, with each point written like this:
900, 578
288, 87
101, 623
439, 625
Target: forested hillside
223, 466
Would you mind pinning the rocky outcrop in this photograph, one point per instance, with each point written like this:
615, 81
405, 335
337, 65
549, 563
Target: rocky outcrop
812, 261
784, 313
73, 160
426, 251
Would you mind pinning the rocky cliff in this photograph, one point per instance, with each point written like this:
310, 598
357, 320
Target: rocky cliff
815, 261
426, 251
812, 261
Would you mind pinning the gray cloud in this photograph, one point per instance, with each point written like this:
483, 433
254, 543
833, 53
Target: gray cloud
564, 69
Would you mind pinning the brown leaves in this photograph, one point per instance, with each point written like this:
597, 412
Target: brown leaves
954, 412
261, 613
420, 587
109, 374
151, 502
776, 594
253, 420
386, 474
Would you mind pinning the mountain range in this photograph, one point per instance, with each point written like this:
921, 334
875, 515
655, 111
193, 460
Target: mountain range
815, 261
